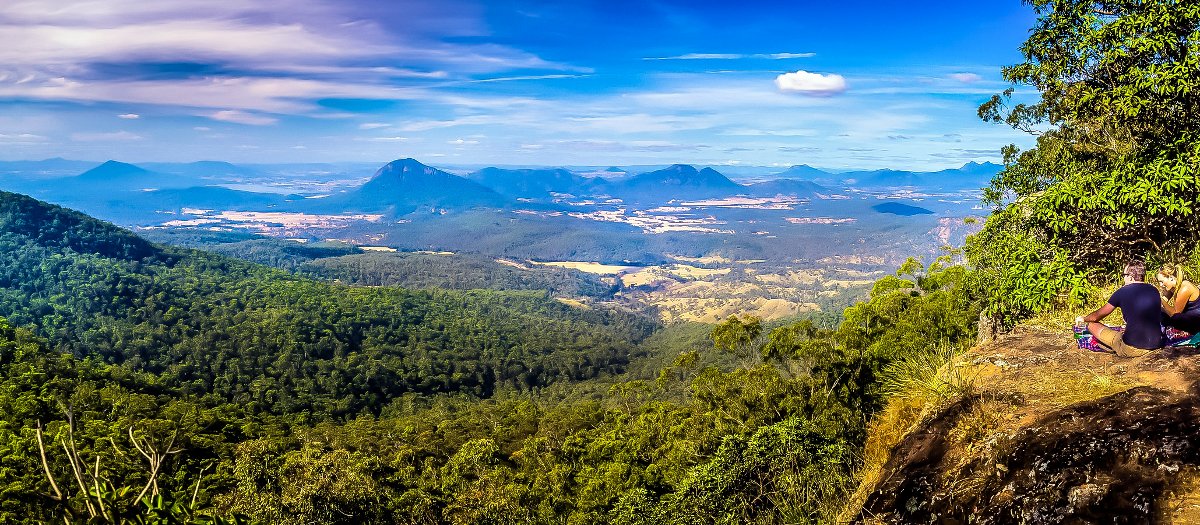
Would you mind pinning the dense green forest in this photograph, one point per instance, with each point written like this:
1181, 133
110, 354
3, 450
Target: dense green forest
251, 373
772, 439
276, 253
280, 343
415, 270
455, 272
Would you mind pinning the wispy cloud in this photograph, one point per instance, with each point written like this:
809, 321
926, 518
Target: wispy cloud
527, 77
21, 138
966, 78
129, 116
115, 136
386, 139
734, 56
278, 94
248, 55
241, 117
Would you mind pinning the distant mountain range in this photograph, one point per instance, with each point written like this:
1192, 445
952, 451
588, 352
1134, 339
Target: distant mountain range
971, 175
406, 185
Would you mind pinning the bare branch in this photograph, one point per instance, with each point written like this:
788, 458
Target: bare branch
45, 464
133, 440
96, 483
196, 491
72, 458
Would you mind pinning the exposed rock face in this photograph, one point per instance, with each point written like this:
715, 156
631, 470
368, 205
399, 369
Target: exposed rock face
1125, 457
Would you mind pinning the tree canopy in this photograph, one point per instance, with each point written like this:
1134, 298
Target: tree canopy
1115, 172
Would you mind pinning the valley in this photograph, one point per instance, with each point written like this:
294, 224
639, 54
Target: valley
690, 245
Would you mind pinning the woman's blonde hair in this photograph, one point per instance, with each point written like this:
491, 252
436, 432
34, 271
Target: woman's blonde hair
1175, 271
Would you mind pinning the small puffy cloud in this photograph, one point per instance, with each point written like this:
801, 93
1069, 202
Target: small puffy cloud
462, 142
811, 83
242, 117
966, 78
116, 136
129, 116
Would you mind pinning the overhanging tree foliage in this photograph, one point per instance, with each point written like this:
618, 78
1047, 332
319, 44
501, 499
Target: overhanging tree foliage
1114, 173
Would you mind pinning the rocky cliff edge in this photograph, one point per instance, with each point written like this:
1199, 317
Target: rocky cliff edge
1031, 429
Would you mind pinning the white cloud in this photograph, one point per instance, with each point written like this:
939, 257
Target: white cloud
241, 117
21, 138
386, 139
782, 56
526, 77
373, 125
129, 116
751, 132
811, 83
700, 56
966, 78
53, 48
276, 95
733, 56
462, 142
202, 128
235, 41
643, 123
115, 136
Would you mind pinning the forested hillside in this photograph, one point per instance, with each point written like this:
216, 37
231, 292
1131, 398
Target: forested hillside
455, 272
238, 380
277, 342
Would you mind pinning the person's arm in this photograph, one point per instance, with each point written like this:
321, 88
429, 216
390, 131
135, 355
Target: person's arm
1187, 293
1099, 314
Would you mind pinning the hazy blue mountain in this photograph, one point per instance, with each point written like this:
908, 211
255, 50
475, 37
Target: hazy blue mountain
897, 208
208, 197
118, 176
677, 182
978, 174
971, 175
55, 167
798, 188
801, 171
406, 185
534, 183
204, 169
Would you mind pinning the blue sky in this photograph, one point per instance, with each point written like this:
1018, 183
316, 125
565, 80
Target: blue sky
862, 84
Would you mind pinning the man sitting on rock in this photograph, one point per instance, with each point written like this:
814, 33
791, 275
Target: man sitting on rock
1140, 306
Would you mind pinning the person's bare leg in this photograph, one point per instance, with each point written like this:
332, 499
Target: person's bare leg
1096, 329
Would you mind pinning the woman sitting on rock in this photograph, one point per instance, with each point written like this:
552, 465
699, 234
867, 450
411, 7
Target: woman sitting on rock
1180, 301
